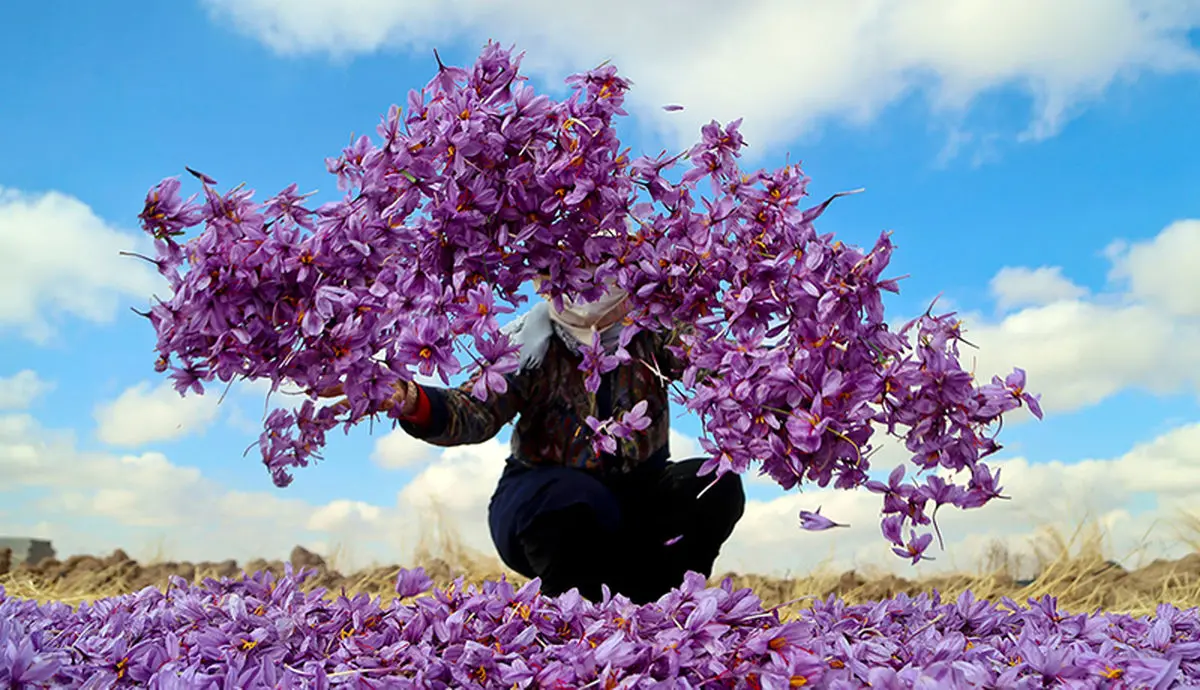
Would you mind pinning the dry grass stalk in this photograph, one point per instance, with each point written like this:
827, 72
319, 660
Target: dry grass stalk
1076, 568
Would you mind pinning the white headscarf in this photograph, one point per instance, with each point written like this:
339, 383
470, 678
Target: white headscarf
578, 320
584, 319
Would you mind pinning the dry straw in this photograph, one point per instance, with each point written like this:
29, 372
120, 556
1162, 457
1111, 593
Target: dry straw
1076, 568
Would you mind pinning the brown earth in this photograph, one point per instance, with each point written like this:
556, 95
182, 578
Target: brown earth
1082, 578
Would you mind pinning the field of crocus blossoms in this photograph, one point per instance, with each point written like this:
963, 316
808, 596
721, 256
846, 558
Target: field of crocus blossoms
479, 186
111, 622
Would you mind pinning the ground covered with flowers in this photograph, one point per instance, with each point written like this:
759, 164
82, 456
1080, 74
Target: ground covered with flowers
263, 631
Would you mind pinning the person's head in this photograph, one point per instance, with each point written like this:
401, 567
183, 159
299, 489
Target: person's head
599, 314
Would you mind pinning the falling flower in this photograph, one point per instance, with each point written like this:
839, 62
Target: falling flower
815, 522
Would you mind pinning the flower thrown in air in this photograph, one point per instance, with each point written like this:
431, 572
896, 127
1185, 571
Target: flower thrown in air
813, 521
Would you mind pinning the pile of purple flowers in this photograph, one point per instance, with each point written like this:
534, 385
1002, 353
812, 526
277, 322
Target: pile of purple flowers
259, 632
480, 187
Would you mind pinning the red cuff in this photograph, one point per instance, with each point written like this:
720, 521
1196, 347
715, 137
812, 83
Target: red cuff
424, 411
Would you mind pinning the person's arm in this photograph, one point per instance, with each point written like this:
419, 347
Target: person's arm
454, 417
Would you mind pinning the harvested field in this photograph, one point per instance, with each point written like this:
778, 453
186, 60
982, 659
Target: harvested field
1073, 568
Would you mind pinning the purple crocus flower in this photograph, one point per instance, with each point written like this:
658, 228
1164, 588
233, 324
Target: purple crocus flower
410, 583
915, 548
1015, 383
815, 522
24, 666
603, 440
427, 346
631, 421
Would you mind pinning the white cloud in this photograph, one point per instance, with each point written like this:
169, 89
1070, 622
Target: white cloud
1023, 287
141, 415
62, 260
1043, 494
337, 514
144, 503
460, 482
1079, 353
1164, 269
18, 391
683, 446
787, 66
1080, 348
137, 490
398, 450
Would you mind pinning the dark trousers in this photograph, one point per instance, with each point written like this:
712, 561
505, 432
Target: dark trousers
637, 533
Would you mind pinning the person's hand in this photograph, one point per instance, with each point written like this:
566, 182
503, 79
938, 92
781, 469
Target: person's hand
407, 396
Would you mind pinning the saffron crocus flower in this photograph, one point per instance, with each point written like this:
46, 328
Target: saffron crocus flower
166, 213
805, 430
596, 363
490, 380
287, 206
448, 77
895, 492
602, 438
499, 360
813, 521
891, 527
482, 309
915, 548
427, 346
26, 667
631, 421
1015, 383
410, 583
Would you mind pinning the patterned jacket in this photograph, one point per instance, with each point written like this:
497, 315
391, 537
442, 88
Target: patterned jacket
551, 404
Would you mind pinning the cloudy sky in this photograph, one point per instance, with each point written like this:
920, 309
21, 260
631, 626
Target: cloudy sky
1038, 162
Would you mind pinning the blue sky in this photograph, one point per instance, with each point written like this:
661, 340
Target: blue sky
104, 102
